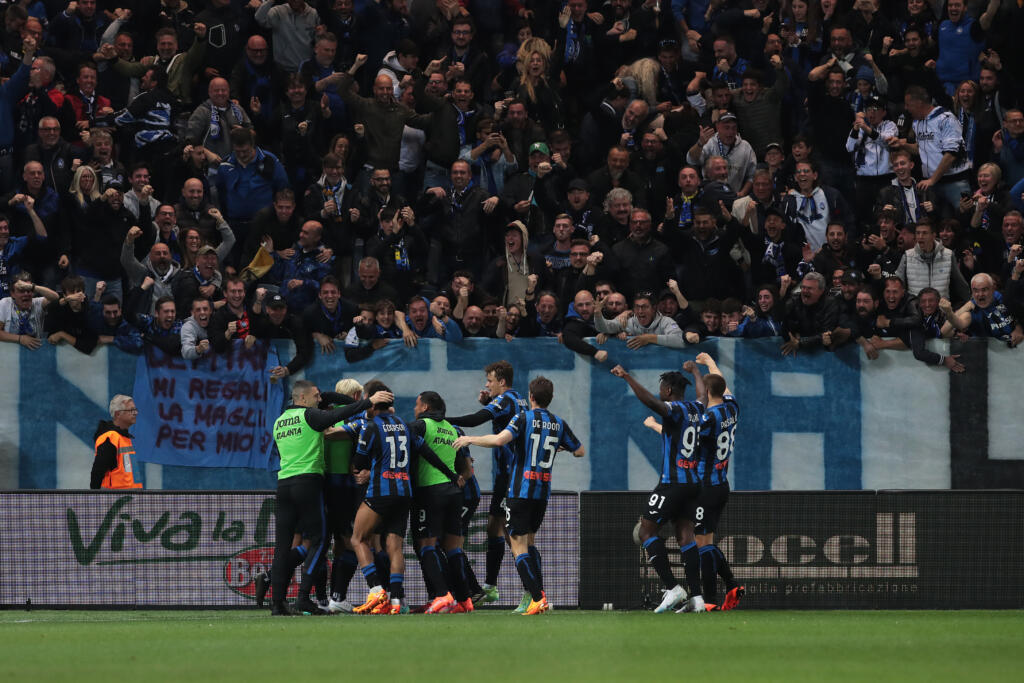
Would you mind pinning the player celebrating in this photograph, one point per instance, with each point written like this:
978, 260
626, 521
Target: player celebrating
382, 457
715, 443
341, 494
674, 498
299, 436
501, 404
535, 436
437, 505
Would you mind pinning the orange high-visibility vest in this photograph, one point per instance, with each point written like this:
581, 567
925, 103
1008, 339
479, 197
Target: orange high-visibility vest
121, 476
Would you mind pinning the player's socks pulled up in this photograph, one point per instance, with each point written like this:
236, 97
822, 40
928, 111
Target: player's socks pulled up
344, 568
371, 575
433, 571
535, 558
495, 554
528, 576
709, 573
383, 562
691, 563
657, 557
397, 587
724, 570
456, 574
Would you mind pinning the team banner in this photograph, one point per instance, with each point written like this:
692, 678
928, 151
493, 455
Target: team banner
213, 412
154, 549
827, 550
816, 421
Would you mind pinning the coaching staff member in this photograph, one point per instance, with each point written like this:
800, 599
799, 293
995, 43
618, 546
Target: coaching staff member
299, 436
112, 465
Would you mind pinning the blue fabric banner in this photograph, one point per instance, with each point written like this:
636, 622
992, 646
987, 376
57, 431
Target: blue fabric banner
214, 412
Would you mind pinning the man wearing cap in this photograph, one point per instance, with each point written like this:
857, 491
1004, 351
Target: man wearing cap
868, 145
203, 280
724, 140
849, 285
774, 253
577, 205
279, 323
531, 195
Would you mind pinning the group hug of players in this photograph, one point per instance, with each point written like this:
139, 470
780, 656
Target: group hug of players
354, 473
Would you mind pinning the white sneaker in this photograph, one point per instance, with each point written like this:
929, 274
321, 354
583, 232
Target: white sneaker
694, 604
672, 598
343, 607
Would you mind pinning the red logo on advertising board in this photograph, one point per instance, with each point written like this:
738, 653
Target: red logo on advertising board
241, 569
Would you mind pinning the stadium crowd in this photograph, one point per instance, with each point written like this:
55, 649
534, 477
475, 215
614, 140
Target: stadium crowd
348, 172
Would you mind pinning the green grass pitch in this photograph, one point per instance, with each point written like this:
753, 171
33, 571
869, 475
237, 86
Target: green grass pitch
565, 645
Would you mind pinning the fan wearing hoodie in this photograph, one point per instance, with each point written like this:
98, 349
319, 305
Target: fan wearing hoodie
510, 274
645, 326
579, 323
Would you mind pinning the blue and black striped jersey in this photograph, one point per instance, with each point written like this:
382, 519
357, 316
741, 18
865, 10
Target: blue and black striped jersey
716, 441
471, 491
537, 436
503, 408
387, 442
679, 442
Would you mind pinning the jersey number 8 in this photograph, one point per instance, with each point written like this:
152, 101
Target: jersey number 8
725, 442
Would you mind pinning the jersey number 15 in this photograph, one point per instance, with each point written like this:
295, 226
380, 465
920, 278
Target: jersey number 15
550, 446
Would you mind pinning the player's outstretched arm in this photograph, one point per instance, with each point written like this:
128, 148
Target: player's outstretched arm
698, 380
487, 440
646, 397
652, 424
471, 420
709, 362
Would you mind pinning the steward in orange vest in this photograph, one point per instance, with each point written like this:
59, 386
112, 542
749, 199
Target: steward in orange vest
113, 464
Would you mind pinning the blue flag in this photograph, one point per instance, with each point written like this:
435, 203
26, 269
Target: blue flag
214, 412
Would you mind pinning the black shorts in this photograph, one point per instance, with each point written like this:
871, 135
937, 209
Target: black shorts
710, 505
497, 508
669, 502
393, 511
436, 511
469, 506
341, 500
524, 515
